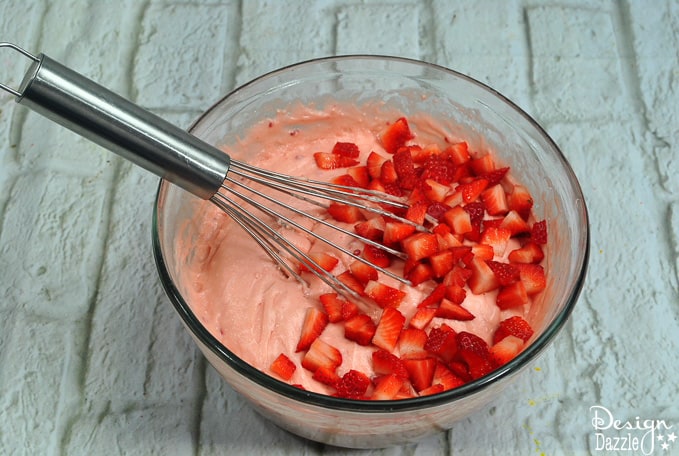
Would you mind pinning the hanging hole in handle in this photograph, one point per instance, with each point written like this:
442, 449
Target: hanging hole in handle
23, 52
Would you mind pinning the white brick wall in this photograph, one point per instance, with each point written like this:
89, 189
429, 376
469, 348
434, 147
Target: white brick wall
93, 359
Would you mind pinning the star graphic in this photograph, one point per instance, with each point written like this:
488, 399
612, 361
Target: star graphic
661, 437
665, 446
671, 437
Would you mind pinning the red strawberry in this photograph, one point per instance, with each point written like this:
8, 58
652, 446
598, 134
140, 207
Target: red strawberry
470, 342
442, 343
533, 277
513, 326
505, 273
495, 200
395, 232
419, 273
483, 252
374, 164
346, 180
321, 354
442, 263
450, 310
353, 385
456, 293
420, 372
482, 279
471, 191
376, 256
327, 376
351, 282
362, 271
476, 212
417, 212
396, 135
435, 191
433, 389
384, 295
514, 223
420, 245
529, 253
439, 169
349, 310
482, 165
345, 213
388, 329
315, 322
434, 298
458, 276
436, 210
478, 366
444, 376
513, 295
387, 387
494, 177
360, 175
496, 238
332, 304
405, 168
283, 367
411, 343
326, 160
372, 228
520, 200
459, 153
538, 232
360, 329
326, 262
388, 173
346, 149
385, 363
422, 317
506, 350
458, 219
474, 351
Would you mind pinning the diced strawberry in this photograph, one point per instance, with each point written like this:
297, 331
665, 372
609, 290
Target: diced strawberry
513, 295
383, 295
478, 366
353, 385
520, 200
326, 262
450, 310
393, 189
283, 367
448, 241
458, 220
346, 180
345, 213
351, 282
438, 168
460, 369
470, 342
362, 271
349, 310
387, 387
327, 160
495, 200
483, 251
374, 164
388, 173
417, 212
421, 372
388, 329
533, 277
482, 279
411, 343
386, 363
434, 190
422, 317
529, 253
321, 354
456, 293
405, 168
471, 191
454, 199
514, 223
360, 175
315, 322
476, 212
498, 238
459, 153
395, 232
442, 343
376, 256
332, 304
513, 326
396, 135
420, 245
436, 210
458, 276
442, 263
420, 273
506, 350
482, 165
434, 298
495, 177
445, 377
346, 149
327, 376
505, 273
372, 229
538, 232
433, 389
360, 329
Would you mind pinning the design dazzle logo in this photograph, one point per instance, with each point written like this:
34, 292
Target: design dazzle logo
637, 436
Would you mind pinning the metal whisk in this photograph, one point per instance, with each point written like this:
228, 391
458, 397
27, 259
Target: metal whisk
115, 123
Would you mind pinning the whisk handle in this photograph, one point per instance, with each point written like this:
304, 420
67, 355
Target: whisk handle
85, 107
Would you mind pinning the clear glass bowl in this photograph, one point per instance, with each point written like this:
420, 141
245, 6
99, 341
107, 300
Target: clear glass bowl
484, 117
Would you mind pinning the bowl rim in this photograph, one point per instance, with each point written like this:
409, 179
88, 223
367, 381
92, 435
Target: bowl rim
365, 406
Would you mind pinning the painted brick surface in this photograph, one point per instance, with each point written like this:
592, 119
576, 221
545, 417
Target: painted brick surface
94, 360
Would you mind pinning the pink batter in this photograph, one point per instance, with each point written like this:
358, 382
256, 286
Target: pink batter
239, 294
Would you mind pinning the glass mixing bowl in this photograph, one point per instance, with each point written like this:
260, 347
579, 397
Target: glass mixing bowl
483, 117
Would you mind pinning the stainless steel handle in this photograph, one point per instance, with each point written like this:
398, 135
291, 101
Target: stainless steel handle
85, 107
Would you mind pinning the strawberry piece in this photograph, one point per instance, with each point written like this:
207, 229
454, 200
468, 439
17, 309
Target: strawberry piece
326, 160
345, 213
405, 168
474, 351
396, 135
372, 229
422, 317
482, 279
460, 369
433, 389
434, 297
513, 326
387, 387
388, 174
495, 200
395, 232
436, 210
349, 310
435, 191
351, 282
420, 245
458, 219
321, 354
482, 165
363, 272
327, 376
514, 223
417, 212
383, 295
442, 343
386, 363
283, 367
538, 232
495, 177
520, 200
470, 342
315, 322
374, 164
458, 276
533, 277
513, 295
419, 273
376, 256
483, 252
506, 350
445, 377
498, 238
326, 262
359, 329
421, 154
346, 149
478, 366
476, 212
332, 304
459, 153
411, 343
360, 175
388, 329
353, 385
505, 273
420, 372
442, 263
529, 253
452, 311
346, 180
456, 293
471, 191
439, 169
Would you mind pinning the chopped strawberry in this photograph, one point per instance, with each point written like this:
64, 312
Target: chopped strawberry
513, 326
458, 219
351, 282
459, 153
346, 149
514, 223
470, 342
395, 232
520, 200
439, 169
436, 210
458, 276
359, 329
505, 273
376, 256
513, 295
283, 367
433, 389
326, 375
420, 245
495, 200
346, 180
476, 212
418, 274
442, 343
321, 354
435, 191
388, 173
388, 329
360, 175
442, 263
353, 385
498, 238
349, 310
478, 366
422, 317
326, 160
533, 277
315, 322
411, 343
326, 262
529, 253
421, 372
396, 135
386, 363
506, 350
345, 213
471, 191
482, 165
445, 377
387, 387
482, 279
384, 295
372, 229
417, 212
405, 168
483, 252
450, 310
538, 232
434, 298
456, 293
362, 271
332, 304
495, 177
374, 164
